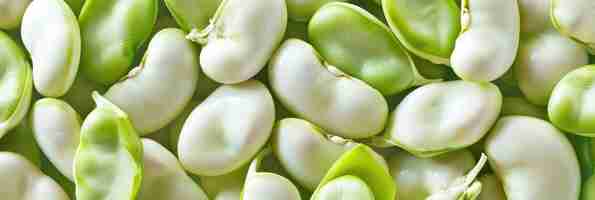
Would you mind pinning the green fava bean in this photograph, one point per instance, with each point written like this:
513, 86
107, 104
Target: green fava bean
24, 181
112, 31
428, 28
155, 92
570, 107
305, 151
442, 177
300, 10
164, 177
11, 13
376, 57
430, 121
533, 159
489, 39
192, 14
240, 38
520, 106
16, 85
573, 18
60, 139
51, 34
108, 161
262, 185
227, 129
316, 92
491, 188
360, 173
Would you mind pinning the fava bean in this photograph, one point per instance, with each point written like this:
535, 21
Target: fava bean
570, 107
573, 18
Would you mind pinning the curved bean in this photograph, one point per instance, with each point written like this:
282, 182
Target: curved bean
570, 107
573, 18
318, 93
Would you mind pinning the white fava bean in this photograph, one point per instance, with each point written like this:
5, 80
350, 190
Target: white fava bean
491, 189
533, 159
154, 93
574, 19
488, 44
51, 34
11, 12
305, 152
339, 104
227, 129
441, 117
23, 181
241, 38
56, 127
164, 177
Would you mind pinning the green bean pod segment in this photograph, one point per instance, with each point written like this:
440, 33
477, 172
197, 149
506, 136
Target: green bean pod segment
164, 177
240, 38
112, 31
570, 107
108, 163
16, 84
573, 18
313, 90
227, 129
261, 185
441, 177
306, 151
11, 13
359, 174
169, 70
24, 181
430, 121
428, 29
526, 171
544, 55
51, 34
60, 139
354, 41
489, 39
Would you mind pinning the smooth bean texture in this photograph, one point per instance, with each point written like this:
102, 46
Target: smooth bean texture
569, 107
108, 163
240, 39
169, 70
60, 139
112, 31
11, 13
266, 185
526, 171
227, 129
24, 181
314, 91
488, 43
573, 19
16, 85
427, 28
51, 34
376, 57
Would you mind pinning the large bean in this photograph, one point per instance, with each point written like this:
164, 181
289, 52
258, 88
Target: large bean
15, 84
23, 181
488, 44
11, 13
375, 57
323, 95
242, 36
50, 31
427, 28
108, 162
112, 31
574, 19
226, 130
59, 139
571, 105
533, 159
154, 93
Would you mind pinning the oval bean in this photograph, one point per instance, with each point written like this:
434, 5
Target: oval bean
240, 39
169, 72
51, 34
15, 84
317, 93
570, 107
112, 31
488, 43
108, 162
573, 18
227, 129
11, 13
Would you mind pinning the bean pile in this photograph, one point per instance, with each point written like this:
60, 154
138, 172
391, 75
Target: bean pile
297, 99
